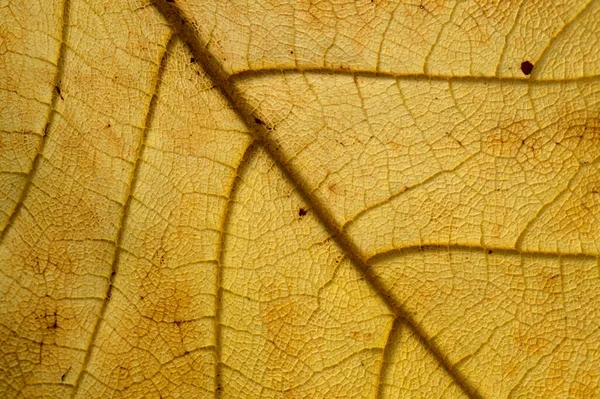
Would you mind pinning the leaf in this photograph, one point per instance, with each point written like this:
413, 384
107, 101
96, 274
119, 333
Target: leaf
300, 199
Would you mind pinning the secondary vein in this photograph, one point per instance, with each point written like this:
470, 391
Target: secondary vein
124, 215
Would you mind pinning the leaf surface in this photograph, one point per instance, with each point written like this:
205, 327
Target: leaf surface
300, 199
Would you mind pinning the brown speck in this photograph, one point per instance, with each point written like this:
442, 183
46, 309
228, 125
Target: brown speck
192, 60
526, 67
57, 88
259, 121
490, 251
302, 212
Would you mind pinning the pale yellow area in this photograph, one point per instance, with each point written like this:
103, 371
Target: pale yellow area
435, 37
390, 208
157, 334
578, 41
514, 323
400, 162
412, 372
30, 32
55, 258
298, 320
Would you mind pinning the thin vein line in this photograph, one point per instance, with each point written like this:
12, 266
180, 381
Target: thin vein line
388, 351
437, 38
125, 215
542, 57
381, 256
261, 131
51, 115
405, 76
398, 193
248, 154
544, 207
509, 36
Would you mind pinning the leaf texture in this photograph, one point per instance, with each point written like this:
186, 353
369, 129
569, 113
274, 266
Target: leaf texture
370, 199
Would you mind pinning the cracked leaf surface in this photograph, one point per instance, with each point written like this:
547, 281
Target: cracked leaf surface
299, 199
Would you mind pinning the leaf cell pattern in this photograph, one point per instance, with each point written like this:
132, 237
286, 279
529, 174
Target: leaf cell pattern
300, 199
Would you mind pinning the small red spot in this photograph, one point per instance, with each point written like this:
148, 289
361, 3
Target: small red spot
526, 67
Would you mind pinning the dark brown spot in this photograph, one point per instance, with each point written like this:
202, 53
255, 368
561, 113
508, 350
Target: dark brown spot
526, 67
57, 88
259, 121
192, 60
302, 212
490, 251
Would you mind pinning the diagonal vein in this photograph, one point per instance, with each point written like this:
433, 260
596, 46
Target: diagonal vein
51, 116
565, 27
260, 131
124, 215
248, 154
388, 350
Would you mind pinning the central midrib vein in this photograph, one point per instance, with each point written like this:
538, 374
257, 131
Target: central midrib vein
260, 132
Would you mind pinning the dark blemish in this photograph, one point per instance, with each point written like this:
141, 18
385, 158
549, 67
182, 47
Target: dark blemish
490, 251
302, 212
62, 377
258, 121
57, 88
291, 52
192, 60
54, 324
526, 67
421, 6
109, 292
108, 125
